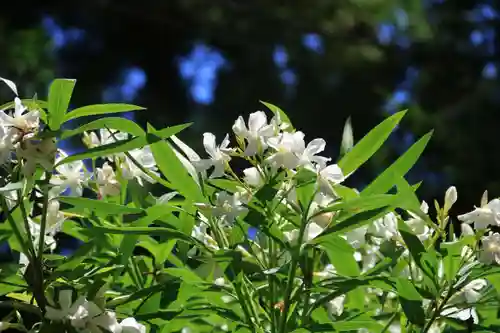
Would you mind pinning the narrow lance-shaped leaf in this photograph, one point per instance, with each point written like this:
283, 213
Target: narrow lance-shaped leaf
385, 181
120, 124
60, 92
353, 222
172, 169
369, 144
99, 109
411, 302
84, 205
112, 148
277, 111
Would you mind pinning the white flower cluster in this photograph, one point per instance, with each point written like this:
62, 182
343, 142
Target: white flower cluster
86, 316
488, 214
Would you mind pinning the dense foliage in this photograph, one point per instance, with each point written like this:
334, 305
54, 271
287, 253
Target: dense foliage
283, 246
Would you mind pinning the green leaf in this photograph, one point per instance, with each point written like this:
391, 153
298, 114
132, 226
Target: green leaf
150, 231
411, 301
171, 130
452, 259
99, 109
121, 124
28, 102
353, 222
341, 256
186, 275
175, 172
369, 144
60, 92
76, 258
406, 290
305, 188
86, 206
427, 261
359, 204
129, 241
112, 148
152, 304
277, 111
385, 181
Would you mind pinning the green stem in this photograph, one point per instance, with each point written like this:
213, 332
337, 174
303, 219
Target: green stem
291, 274
308, 280
272, 298
38, 283
43, 222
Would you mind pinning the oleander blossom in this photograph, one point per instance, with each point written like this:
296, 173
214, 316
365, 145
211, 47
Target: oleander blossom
24, 122
70, 176
483, 216
219, 156
256, 134
490, 250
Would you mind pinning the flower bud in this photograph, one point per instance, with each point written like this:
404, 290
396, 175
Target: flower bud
450, 198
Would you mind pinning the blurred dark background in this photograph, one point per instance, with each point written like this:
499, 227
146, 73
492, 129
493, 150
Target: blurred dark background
209, 61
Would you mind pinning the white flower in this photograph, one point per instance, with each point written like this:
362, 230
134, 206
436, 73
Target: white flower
466, 229
419, 226
106, 179
490, 252
130, 325
450, 198
6, 145
385, 227
70, 175
36, 152
461, 314
228, 206
105, 137
312, 231
287, 147
356, 237
256, 134
471, 293
253, 177
35, 231
199, 232
219, 155
24, 122
328, 175
308, 156
483, 216
320, 202
220, 282
327, 272
66, 308
55, 218
335, 307
144, 157
370, 257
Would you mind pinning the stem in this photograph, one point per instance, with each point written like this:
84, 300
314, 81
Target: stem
38, 288
292, 271
272, 298
43, 222
439, 308
308, 279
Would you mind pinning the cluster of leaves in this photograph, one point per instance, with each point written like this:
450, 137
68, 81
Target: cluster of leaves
285, 247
